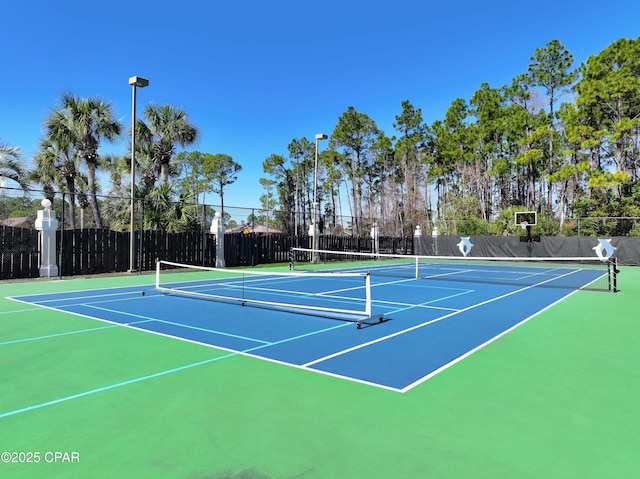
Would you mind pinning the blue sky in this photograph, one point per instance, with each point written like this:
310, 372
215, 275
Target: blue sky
253, 75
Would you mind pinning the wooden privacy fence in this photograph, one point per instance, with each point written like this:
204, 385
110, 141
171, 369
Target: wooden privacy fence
19, 253
94, 251
253, 249
91, 251
97, 251
386, 244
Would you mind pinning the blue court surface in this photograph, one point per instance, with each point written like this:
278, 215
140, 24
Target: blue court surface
428, 324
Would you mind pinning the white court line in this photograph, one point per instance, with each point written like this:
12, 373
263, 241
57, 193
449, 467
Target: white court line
477, 348
72, 298
182, 325
19, 310
306, 366
418, 326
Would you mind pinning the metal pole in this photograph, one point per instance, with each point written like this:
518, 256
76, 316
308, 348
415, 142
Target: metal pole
316, 230
268, 194
204, 226
135, 82
140, 241
61, 255
132, 246
315, 193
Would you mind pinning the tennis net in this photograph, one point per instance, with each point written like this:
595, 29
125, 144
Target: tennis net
569, 272
341, 295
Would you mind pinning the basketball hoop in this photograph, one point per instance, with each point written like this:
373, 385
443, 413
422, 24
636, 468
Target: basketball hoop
524, 225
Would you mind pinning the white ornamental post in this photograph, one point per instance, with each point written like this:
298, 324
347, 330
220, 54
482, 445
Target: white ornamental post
217, 230
434, 235
375, 234
47, 224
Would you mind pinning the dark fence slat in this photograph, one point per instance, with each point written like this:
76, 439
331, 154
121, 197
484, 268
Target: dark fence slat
19, 253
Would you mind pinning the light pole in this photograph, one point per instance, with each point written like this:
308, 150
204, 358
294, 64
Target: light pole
316, 230
135, 82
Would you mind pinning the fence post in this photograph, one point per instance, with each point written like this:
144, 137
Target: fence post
47, 224
217, 230
375, 234
434, 236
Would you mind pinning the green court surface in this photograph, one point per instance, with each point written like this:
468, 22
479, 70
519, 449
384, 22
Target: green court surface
555, 398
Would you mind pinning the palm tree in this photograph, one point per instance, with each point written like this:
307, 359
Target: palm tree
117, 206
164, 127
57, 165
83, 122
164, 213
11, 166
84, 203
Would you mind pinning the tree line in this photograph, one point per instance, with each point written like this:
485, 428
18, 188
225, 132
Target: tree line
168, 183
559, 140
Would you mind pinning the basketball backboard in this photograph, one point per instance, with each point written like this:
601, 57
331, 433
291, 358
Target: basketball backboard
529, 218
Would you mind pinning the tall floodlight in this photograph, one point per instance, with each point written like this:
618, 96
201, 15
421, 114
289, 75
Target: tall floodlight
316, 230
135, 82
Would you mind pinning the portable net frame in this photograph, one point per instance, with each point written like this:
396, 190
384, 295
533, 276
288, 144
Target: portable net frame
590, 273
343, 295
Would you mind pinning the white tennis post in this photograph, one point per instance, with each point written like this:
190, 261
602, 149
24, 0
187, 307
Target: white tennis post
434, 237
367, 305
217, 230
47, 224
375, 235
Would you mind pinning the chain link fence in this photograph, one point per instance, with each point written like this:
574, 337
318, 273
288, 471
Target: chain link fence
18, 208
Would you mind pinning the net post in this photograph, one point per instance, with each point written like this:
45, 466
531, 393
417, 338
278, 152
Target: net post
157, 273
417, 268
367, 283
613, 274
